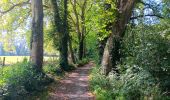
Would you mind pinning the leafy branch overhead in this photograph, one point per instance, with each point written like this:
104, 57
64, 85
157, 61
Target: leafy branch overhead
15, 5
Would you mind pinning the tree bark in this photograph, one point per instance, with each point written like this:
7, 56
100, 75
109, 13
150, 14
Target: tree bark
101, 47
64, 40
71, 51
62, 30
111, 54
81, 49
84, 48
80, 26
83, 32
36, 47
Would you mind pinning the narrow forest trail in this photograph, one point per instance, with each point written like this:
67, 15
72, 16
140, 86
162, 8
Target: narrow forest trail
75, 86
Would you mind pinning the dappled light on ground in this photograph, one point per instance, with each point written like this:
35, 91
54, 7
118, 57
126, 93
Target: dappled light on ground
74, 87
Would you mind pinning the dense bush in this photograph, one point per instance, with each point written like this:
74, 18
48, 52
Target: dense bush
52, 68
100, 85
127, 86
149, 50
144, 69
19, 79
83, 62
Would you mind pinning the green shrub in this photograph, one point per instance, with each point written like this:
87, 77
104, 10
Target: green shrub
100, 85
72, 67
127, 86
144, 69
54, 69
51, 68
145, 48
20, 78
83, 62
136, 85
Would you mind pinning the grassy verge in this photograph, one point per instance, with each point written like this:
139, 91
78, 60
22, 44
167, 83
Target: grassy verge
127, 86
100, 85
20, 79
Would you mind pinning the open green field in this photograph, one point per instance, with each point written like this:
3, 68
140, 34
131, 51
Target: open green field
14, 59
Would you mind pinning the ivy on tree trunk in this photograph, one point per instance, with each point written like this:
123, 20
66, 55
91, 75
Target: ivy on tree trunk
61, 25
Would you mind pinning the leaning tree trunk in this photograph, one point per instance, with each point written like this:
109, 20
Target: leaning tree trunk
101, 47
111, 55
36, 47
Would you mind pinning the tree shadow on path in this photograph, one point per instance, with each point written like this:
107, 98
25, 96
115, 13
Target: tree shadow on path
75, 86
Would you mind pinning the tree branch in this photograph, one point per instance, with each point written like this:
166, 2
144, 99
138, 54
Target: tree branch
19, 5
71, 18
151, 15
15, 5
149, 5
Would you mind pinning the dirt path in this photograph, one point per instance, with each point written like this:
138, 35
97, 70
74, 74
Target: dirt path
74, 87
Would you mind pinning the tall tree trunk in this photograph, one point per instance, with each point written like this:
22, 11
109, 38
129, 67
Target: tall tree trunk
62, 30
79, 33
81, 49
111, 54
83, 31
80, 26
84, 48
71, 51
64, 40
36, 47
